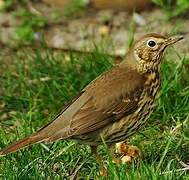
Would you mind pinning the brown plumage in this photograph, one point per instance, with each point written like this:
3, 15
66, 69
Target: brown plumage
114, 105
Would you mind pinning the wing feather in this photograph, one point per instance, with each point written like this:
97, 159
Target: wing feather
103, 104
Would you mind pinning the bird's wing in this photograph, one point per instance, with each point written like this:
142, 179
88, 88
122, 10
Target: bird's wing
106, 99
109, 100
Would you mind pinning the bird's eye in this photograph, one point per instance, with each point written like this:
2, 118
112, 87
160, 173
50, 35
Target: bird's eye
151, 43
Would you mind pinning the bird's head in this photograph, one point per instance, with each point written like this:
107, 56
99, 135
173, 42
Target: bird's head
148, 50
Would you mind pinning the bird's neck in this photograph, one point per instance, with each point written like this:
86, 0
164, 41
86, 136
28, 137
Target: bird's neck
140, 65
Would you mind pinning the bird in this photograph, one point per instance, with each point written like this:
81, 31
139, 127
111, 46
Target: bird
113, 106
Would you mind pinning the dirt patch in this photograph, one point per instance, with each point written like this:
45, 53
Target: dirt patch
110, 30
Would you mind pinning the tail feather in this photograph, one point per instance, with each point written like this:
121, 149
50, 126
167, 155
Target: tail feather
40, 136
21, 144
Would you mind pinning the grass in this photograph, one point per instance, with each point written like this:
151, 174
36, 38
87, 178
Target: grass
173, 8
36, 85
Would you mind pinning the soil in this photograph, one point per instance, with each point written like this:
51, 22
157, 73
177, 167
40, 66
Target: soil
81, 30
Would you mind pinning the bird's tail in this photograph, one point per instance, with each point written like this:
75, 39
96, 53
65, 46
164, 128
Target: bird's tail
42, 135
33, 139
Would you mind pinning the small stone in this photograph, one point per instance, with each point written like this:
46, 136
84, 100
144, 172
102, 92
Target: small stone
139, 20
56, 167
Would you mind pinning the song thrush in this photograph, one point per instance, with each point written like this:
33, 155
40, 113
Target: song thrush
114, 105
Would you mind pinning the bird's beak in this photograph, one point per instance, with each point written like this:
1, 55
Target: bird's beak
173, 40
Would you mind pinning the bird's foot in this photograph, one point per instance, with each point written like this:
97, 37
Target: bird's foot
127, 152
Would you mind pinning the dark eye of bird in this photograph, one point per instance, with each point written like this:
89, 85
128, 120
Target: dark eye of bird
151, 43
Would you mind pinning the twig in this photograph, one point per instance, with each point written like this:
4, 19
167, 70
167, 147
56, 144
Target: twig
45, 147
183, 164
177, 170
73, 176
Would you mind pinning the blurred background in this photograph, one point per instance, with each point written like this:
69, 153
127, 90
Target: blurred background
77, 24
51, 49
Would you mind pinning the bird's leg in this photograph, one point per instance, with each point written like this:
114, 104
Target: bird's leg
127, 152
103, 171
